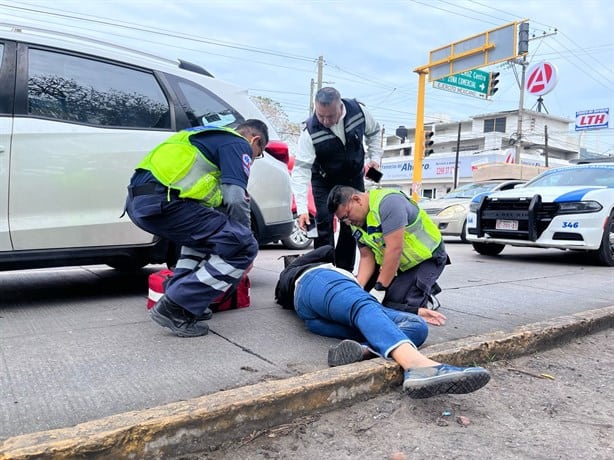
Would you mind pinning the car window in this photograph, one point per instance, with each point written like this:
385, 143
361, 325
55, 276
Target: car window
471, 190
7, 78
202, 106
590, 175
83, 90
509, 185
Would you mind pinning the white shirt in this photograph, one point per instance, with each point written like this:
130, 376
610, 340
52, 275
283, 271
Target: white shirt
306, 155
327, 267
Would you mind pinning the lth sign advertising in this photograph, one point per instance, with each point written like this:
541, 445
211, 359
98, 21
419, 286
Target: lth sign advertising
592, 119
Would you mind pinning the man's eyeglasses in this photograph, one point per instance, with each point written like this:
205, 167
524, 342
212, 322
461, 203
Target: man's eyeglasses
260, 144
346, 216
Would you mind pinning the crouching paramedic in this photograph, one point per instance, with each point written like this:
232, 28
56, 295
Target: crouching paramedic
192, 190
402, 253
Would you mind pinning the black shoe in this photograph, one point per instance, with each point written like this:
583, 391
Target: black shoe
205, 316
183, 323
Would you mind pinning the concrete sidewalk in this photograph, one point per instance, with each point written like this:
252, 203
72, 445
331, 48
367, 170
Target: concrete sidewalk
84, 372
206, 422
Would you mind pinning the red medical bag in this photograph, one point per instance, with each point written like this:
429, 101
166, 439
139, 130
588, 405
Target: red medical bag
238, 298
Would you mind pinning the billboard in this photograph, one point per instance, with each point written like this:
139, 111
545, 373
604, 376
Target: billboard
443, 167
592, 119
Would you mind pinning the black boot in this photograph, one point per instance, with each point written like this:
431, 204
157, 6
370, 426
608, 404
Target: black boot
183, 323
205, 316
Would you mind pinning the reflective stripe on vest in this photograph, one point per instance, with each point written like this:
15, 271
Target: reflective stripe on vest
420, 239
335, 158
179, 165
355, 121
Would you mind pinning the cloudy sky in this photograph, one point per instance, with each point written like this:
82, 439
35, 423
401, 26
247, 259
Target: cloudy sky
370, 48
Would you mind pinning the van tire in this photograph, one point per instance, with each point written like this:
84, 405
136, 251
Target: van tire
298, 239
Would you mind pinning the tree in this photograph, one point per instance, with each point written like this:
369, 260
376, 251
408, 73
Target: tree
288, 131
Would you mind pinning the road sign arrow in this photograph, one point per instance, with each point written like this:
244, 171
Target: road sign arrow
471, 83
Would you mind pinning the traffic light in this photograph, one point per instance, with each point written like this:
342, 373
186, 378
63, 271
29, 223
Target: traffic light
493, 81
428, 143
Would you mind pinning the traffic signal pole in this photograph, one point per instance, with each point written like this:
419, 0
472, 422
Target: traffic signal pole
416, 186
486, 48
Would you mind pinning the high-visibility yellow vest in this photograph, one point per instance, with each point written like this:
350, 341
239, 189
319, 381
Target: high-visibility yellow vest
180, 165
420, 239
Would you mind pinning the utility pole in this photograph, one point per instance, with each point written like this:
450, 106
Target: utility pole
546, 145
317, 84
523, 49
320, 66
311, 97
518, 146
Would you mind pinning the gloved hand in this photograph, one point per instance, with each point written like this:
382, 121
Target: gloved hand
379, 295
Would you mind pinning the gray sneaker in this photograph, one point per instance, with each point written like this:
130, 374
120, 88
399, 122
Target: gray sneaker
424, 382
183, 323
345, 352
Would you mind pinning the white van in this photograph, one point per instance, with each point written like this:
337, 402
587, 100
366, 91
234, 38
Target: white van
76, 116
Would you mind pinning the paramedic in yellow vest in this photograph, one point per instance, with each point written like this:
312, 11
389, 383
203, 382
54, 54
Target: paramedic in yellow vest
192, 190
402, 252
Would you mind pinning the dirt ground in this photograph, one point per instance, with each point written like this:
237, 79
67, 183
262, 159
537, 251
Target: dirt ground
520, 414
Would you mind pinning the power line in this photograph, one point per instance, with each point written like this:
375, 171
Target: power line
163, 32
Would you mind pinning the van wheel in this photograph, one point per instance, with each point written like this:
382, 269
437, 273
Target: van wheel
488, 249
127, 264
298, 238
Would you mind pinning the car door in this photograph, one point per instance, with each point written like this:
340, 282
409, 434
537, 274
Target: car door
7, 87
82, 126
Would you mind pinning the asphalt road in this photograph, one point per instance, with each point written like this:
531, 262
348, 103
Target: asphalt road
76, 343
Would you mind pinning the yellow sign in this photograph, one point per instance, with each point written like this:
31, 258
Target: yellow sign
487, 48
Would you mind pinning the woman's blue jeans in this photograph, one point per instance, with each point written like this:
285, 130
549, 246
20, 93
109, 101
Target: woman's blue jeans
334, 305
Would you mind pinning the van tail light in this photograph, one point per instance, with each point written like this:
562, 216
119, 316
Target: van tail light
279, 150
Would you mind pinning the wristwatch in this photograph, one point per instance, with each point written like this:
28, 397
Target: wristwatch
380, 287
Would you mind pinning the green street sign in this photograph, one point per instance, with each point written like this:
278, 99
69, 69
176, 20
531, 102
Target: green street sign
471, 83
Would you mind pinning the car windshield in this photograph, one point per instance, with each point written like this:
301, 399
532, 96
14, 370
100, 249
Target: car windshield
595, 175
470, 190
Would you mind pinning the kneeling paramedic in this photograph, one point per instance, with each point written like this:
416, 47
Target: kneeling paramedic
402, 253
192, 190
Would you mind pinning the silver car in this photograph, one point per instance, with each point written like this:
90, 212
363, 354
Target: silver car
450, 211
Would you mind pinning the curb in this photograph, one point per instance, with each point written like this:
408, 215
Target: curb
204, 423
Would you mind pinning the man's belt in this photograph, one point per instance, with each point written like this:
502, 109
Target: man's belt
152, 188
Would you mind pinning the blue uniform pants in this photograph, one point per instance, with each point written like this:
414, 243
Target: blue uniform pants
333, 305
215, 250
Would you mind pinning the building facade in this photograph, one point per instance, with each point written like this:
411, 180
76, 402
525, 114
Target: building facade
483, 139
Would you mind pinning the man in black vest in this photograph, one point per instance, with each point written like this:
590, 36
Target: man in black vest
331, 152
